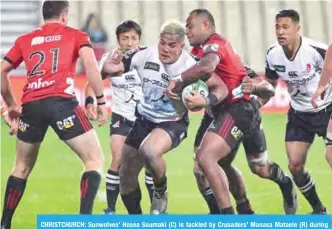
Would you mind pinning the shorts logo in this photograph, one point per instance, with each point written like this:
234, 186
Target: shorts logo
66, 123
212, 126
236, 132
152, 66
182, 136
22, 126
116, 125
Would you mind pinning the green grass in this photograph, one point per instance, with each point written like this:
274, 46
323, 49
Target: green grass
53, 186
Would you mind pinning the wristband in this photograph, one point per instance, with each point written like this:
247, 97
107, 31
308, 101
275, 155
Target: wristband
213, 99
89, 100
178, 78
100, 96
103, 103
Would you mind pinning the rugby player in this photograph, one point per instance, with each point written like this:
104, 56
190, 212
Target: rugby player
161, 123
234, 119
126, 91
325, 81
298, 61
257, 157
50, 54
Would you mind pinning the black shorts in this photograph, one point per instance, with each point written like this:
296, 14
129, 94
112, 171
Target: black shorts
177, 130
303, 126
235, 122
64, 115
120, 125
253, 144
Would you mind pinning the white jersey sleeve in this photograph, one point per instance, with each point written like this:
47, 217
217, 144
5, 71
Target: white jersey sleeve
320, 52
270, 71
134, 58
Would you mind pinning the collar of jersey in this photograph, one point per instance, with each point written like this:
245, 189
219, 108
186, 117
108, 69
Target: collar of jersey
295, 52
213, 34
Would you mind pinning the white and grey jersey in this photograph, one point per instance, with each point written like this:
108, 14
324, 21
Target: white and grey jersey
126, 92
155, 105
302, 74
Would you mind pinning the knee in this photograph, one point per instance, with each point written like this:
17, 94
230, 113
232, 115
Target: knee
263, 171
295, 166
203, 162
148, 154
197, 171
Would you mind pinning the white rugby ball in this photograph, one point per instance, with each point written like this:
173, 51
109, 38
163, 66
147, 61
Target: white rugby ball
198, 86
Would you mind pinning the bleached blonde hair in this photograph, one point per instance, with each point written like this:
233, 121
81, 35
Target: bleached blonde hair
174, 27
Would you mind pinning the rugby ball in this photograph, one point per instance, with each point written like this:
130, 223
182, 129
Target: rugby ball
199, 87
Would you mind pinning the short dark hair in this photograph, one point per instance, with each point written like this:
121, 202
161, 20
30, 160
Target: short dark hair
53, 9
205, 13
292, 14
126, 26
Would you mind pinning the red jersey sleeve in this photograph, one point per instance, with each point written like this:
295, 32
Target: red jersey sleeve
14, 55
214, 46
82, 39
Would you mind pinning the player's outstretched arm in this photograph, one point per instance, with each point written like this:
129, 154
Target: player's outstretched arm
95, 80
258, 86
112, 64
91, 68
90, 108
6, 91
202, 70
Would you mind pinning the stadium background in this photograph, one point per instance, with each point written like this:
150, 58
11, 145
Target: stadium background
249, 25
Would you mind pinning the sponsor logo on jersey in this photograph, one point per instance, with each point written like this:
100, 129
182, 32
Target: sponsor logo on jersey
130, 77
22, 126
40, 84
300, 81
66, 123
127, 86
155, 82
293, 74
152, 66
165, 77
236, 132
280, 68
47, 39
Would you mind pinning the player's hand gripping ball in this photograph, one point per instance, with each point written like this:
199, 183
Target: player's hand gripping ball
193, 95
